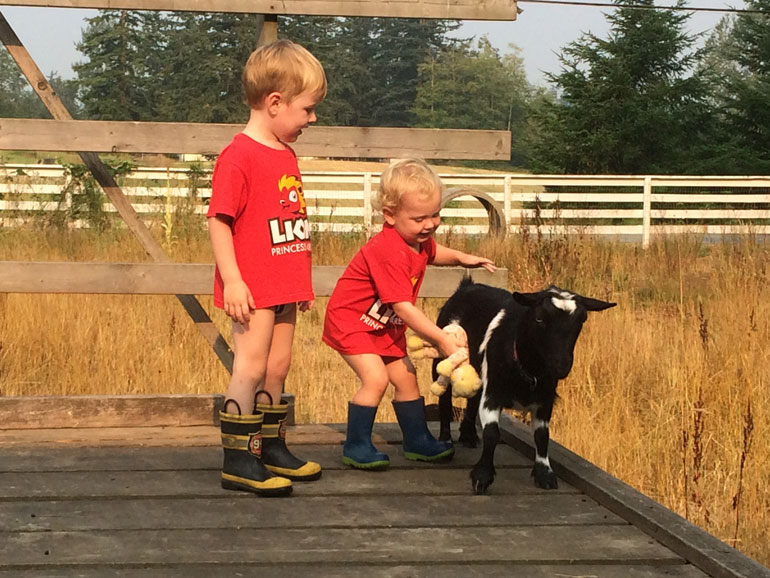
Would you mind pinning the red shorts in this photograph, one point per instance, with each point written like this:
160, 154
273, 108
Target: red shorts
367, 342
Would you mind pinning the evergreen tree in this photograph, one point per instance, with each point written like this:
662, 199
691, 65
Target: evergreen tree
628, 104
402, 45
474, 88
112, 81
67, 91
17, 100
747, 94
198, 72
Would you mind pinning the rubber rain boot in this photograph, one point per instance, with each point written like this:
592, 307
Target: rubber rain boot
275, 455
358, 451
419, 443
242, 468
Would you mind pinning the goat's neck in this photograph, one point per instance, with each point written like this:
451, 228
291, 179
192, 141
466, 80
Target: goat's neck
525, 359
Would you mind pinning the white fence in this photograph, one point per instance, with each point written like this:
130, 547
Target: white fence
624, 206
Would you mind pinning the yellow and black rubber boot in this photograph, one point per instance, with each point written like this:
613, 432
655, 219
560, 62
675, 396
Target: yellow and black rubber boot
275, 455
243, 468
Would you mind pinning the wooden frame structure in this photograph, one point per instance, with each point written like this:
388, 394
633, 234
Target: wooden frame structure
89, 137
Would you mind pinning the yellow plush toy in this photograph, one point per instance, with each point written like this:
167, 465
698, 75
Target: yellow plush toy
455, 369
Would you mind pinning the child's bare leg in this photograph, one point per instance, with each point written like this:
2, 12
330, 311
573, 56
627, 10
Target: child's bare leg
251, 344
403, 376
275, 455
358, 451
279, 359
409, 405
373, 376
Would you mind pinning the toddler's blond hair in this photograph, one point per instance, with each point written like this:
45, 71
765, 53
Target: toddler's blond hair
404, 177
282, 66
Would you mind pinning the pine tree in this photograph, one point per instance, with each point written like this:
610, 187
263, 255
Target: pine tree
474, 88
17, 100
628, 103
112, 81
747, 94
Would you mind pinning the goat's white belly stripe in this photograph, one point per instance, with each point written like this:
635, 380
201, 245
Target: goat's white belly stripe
486, 415
494, 324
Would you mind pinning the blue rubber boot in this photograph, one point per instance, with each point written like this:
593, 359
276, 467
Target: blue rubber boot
358, 451
419, 443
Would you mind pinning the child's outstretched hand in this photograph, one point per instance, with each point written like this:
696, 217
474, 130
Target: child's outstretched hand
467, 260
305, 305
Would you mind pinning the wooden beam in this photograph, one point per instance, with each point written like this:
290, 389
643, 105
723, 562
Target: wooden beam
188, 279
318, 141
105, 179
436, 9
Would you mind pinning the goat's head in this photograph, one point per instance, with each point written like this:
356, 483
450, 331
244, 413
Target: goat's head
552, 324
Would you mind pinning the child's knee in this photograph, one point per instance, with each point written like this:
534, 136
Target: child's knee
378, 383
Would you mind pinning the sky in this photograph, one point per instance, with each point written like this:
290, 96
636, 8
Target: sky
50, 34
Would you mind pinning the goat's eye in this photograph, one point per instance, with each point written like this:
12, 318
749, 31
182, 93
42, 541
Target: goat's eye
539, 321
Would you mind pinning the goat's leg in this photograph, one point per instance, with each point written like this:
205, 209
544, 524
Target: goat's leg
541, 472
468, 436
483, 473
445, 414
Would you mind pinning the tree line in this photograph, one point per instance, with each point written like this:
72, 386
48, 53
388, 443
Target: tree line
648, 98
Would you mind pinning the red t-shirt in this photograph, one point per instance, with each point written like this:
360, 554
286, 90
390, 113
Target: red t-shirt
261, 189
386, 270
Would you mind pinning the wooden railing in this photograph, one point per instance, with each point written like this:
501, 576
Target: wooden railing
628, 206
189, 278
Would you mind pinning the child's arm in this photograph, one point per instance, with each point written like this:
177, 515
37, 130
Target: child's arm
447, 256
237, 297
418, 322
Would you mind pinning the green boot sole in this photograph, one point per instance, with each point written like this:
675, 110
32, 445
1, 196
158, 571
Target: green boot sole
447, 455
379, 465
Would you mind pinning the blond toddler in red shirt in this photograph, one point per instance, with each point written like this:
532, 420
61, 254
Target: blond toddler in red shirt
374, 302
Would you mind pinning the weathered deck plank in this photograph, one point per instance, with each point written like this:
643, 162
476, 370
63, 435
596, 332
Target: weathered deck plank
303, 512
205, 483
513, 544
209, 458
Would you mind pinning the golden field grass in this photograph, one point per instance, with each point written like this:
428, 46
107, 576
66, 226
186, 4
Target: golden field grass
669, 391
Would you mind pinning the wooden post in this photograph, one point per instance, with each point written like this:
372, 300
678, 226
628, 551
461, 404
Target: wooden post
268, 29
646, 211
103, 176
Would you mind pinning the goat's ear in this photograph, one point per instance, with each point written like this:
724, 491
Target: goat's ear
528, 299
595, 304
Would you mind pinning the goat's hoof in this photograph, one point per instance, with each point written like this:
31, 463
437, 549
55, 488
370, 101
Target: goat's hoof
544, 477
481, 478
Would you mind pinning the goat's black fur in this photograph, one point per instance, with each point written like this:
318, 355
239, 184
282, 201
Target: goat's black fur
521, 345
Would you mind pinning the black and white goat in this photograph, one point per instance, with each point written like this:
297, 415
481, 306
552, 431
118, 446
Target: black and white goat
521, 344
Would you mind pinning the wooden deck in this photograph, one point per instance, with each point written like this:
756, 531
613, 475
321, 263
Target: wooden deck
145, 501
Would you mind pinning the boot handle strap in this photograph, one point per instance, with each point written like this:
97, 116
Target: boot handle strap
262, 392
224, 406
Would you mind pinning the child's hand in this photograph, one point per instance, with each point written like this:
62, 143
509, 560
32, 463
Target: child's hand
238, 301
305, 305
447, 346
475, 261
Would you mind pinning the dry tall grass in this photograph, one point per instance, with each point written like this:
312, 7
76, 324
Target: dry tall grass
669, 391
